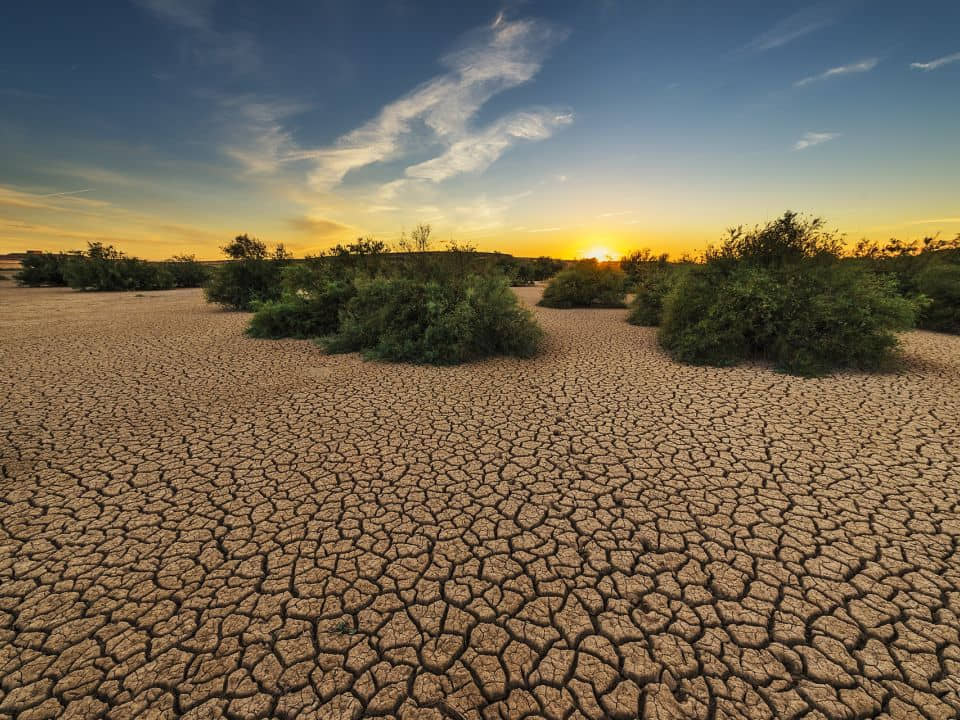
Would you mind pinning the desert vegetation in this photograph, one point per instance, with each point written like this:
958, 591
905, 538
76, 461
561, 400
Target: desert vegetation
927, 269
251, 276
649, 278
105, 268
783, 293
414, 305
521, 272
586, 284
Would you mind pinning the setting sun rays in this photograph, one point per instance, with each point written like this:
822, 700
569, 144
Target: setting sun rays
603, 253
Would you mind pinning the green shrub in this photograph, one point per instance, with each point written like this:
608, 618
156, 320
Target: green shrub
929, 269
650, 286
838, 316
249, 277
186, 271
439, 322
789, 239
939, 282
807, 317
545, 268
38, 269
301, 315
104, 268
586, 283
714, 318
238, 284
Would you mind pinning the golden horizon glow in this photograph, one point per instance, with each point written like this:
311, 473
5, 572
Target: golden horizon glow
33, 219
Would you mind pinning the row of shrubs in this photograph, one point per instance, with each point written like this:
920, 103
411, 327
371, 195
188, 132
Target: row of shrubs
103, 267
783, 293
438, 308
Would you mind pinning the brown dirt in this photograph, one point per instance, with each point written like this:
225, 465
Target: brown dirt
197, 524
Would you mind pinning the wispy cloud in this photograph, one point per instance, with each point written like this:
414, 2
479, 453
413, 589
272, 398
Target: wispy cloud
547, 229
318, 227
68, 192
261, 143
234, 49
792, 28
810, 139
484, 213
477, 151
938, 63
492, 59
857, 67
58, 201
935, 221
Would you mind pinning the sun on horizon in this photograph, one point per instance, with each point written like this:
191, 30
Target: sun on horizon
601, 253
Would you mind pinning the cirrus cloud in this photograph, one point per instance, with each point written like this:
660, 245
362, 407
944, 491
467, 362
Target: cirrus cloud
437, 113
857, 67
810, 139
938, 63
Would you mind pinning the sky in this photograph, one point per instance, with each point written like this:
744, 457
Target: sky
563, 128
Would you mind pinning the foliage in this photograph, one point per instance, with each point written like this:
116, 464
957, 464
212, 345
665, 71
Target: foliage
103, 267
927, 269
187, 271
649, 277
650, 286
39, 269
939, 283
364, 255
586, 283
638, 262
523, 272
441, 322
251, 276
788, 239
788, 299
306, 315
244, 247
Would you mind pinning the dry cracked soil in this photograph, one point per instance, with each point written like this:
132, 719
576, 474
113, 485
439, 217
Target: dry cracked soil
197, 524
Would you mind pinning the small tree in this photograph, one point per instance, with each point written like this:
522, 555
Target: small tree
584, 284
244, 247
252, 276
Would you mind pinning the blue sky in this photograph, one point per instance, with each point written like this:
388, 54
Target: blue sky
533, 127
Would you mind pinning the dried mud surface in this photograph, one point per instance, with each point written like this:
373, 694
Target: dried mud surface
197, 524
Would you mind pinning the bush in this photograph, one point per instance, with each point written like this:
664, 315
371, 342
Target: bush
929, 270
807, 314
649, 277
238, 284
789, 239
939, 283
186, 271
838, 316
38, 269
545, 268
250, 277
586, 283
104, 268
439, 322
524, 273
301, 316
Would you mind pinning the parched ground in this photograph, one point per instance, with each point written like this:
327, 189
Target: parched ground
197, 524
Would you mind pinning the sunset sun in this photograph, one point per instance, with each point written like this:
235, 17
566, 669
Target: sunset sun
599, 252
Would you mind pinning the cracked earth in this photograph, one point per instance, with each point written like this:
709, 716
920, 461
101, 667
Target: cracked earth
197, 524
